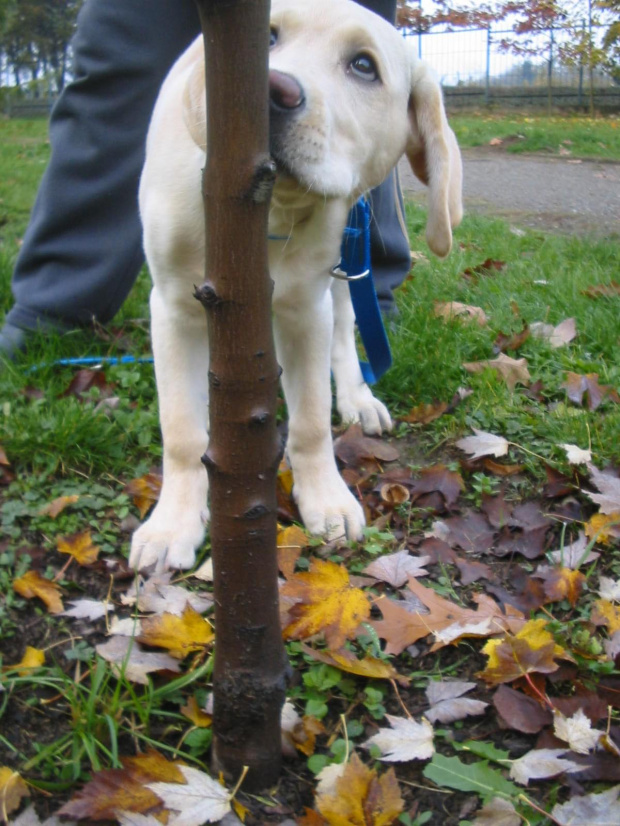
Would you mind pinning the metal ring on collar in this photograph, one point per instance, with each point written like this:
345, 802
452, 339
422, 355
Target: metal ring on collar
343, 276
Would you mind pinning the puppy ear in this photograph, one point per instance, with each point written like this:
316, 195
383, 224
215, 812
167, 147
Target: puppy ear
435, 158
195, 105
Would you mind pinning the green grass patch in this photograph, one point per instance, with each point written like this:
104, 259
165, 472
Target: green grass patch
578, 135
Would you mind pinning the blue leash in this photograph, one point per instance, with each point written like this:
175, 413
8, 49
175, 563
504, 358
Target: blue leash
355, 267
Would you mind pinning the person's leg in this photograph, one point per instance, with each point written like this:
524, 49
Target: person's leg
82, 250
389, 243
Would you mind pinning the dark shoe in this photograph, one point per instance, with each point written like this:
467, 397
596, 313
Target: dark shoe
12, 341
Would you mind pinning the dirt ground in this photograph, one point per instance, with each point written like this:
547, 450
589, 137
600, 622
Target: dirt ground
565, 195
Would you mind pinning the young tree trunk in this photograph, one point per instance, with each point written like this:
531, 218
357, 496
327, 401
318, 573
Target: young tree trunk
244, 449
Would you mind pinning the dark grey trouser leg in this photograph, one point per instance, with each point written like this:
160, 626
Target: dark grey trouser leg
389, 242
82, 250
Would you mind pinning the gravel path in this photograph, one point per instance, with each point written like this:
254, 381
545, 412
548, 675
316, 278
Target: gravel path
556, 194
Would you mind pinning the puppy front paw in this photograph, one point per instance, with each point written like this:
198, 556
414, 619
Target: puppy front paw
329, 509
169, 538
358, 404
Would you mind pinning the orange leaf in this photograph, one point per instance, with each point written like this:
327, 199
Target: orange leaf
603, 527
12, 789
362, 798
194, 713
425, 413
57, 506
32, 584
180, 635
145, 491
326, 601
123, 789
563, 583
79, 546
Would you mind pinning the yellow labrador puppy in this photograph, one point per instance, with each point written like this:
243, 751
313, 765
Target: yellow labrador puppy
347, 99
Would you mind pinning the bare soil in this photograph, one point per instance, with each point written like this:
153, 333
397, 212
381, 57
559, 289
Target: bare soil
558, 194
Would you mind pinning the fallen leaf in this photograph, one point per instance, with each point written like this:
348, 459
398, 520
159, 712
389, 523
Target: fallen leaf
450, 310
90, 609
353, 448
562, 583
609, 589
606, 613
57, 506
514, 341
125, 789
471, 570
199, 799
327, 602
484, 444
577, 386
132, 662
193, 712
577, 731
603, 527
521, 712
394, 494
362, 798
447, 703
608, 498
425, 413
84, 380
531, 650
557, 336
497, 812
603, 290
33, 658
575, 554
156, 594
326, 781
145, 491
592, 809
471, 532
439, 478
576, 455
485, 269
372, 668
79, 546
513, 371
541, 763
179, 634
12, 790
397, 568
405, 740
32, 585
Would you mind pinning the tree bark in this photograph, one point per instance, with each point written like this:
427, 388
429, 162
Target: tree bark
244, 449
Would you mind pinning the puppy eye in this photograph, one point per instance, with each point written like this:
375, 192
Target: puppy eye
364, 67
273, 37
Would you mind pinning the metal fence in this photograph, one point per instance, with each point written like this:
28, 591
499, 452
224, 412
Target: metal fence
476, 69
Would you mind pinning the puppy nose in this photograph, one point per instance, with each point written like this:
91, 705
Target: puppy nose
285, 93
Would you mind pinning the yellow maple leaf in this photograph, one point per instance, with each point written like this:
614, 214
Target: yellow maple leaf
370, 667
194, 713
33, 658
180, 635
12, 789
606, 613
362, 798
32, 584
327, 602
532, 649
603, 527
79, 546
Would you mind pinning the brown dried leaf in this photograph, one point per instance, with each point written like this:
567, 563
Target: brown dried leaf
113, 790
352, 448
610, 290
362, 797
439, 478
58, 505
520, 711
562, 583
578, 385
32, 584
370, 667
512, 341
513, 371
450, 310
425, 413
532, 649
86, 379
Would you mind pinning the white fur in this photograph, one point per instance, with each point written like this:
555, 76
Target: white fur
349, 135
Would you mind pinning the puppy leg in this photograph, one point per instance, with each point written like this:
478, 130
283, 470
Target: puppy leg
303, 325
354, 399
176, 528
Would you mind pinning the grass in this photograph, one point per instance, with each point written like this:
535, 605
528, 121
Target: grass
61, 445
577, 135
